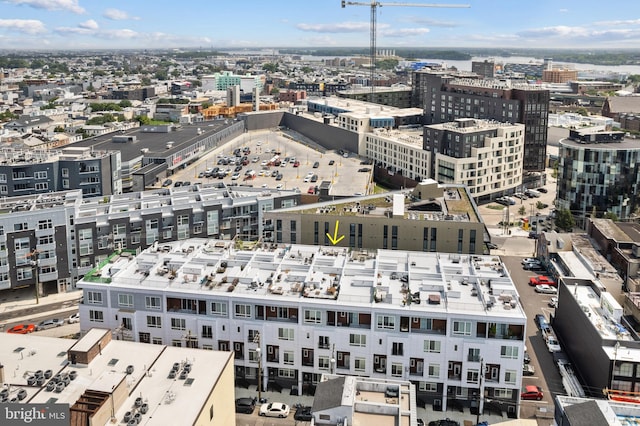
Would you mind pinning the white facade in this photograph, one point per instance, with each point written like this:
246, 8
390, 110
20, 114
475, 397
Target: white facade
434, 318
398, 151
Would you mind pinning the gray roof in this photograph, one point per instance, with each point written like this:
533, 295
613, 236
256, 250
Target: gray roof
27, 121
619, 104
187, 135
585, 414
328, 394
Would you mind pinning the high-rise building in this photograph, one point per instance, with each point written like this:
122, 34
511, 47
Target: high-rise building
445, 97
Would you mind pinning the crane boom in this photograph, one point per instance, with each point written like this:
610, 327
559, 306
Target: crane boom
373, 4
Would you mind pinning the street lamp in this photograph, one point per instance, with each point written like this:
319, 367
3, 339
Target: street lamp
481, 375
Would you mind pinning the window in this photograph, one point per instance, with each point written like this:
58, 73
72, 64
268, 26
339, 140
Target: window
462, 328
428, 387
434, 371
510, 377
623, 369
24, 273
45, 224
360, 364
323, 362
288, 373
312, 316
253, 335
474, 355
40, 175
396, 369
219, 308
41, 186
288, 357
397, 348
178, 324
154, 322
152, 302
502, 393
358, 340
156, 340
243, 311
323, 342
432, 346
125, 300
509, 352
94, 298
207, 332
472, 376
386, 322
285, 333
96, 316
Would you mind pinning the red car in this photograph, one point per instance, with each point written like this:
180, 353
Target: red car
540, 280
296, 164
311, 190
532, 392
22, 329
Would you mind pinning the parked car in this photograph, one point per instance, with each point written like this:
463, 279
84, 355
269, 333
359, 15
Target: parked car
22, 329
533, 267
274, 409
530, 260
528, 370
527, 357
331, 162
542, 280
552, 343
553, 302
311, 190
74, 318
532, 392
444, 422
316, 165
167, 182
245, 405
303, 414
543, 190
492, 246
50, 323
545, 289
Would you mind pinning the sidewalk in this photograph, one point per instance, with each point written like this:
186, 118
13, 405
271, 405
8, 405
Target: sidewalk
18, 305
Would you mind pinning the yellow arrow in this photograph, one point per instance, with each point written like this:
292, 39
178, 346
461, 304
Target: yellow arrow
335, 240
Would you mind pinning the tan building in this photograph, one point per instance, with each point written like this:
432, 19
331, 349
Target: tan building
428, 218
557, 75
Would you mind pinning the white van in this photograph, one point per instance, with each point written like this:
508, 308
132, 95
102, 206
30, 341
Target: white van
532, 193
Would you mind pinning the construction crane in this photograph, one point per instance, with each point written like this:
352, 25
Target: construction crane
374, 7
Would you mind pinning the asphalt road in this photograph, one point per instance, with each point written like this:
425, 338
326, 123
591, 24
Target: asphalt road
546, 375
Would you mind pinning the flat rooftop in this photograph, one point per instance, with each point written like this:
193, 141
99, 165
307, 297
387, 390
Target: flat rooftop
185, 136
170, 400
363, 108
417, 281
624, 144
26, 157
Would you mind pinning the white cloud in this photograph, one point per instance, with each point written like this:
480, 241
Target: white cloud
69, 5
616, 23
90, 25
557, 31
340, 27
563, 10
404, 32
432, 22
27, 26
118, 15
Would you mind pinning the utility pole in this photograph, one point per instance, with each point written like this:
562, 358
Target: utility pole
256, 339
34, 262
480, 376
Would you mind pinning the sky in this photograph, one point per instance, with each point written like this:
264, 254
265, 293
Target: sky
149, 24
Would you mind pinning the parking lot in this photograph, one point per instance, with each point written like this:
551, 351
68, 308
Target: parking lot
264, 154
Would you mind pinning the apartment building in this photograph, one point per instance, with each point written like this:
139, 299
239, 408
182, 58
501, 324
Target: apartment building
486, 156
70, 233
598, 173
604, 352
428, 218
448, 96
398, 152
25, 172
290, 313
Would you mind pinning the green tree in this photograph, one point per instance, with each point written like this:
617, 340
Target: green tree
125, 103
540, 205
275, 91
522, 211
59, 129
387, 64
161, 74
611, 215
143, 120
206, 105
270, 67
306, 70
565, 220
146, 81
582, 111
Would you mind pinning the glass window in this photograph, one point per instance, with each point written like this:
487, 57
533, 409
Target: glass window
432, 346
125, 300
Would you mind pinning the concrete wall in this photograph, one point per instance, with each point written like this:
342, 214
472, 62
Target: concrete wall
216, 410
329, 137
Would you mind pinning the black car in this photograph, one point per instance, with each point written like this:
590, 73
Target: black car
331, 163
167, 182
492, 246
444, 422
279, 176
527, 358
364, 170
245, 405
303, 414
237, 169
543, 190
316, 165
177, 184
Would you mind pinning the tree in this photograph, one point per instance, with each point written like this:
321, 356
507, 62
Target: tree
143, 119
565, 220
306, 70
582, 111
146, 81
125, 103
275, 91
540, 205
59, 129
270, 67
522, 211
206, 105
611, 215
387, 64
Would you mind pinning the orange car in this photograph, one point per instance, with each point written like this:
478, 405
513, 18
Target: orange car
22, 329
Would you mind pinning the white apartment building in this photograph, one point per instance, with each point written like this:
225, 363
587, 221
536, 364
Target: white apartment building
486, 156
398, 151
290, 313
